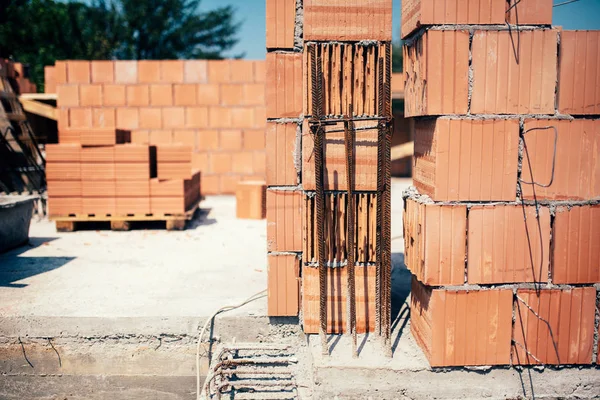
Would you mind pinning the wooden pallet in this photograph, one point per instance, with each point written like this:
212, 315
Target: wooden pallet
174, 222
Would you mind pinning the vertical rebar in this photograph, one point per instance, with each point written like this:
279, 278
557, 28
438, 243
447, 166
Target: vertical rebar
349, 141
386, 234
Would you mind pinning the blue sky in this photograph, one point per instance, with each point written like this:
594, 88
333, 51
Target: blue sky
584, 14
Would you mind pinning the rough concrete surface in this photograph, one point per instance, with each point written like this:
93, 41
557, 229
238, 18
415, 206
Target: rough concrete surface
101, 314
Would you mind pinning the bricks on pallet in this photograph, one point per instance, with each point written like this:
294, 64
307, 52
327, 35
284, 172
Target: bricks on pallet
95, 136
508, 244
95, 171
174, 153
64, 188
578, 92
554, 326
63, 171
130, 153
420, 13
61, 206
282, 152
284, 86
96, 188
349, 77
251, 199
435, 242
57, 153
335, 228
132, 188
335, 177
509, 82
283, 288
98, 205
284, 220
576, 245
133, 171
466, 160
132, 205
337, 299
431, 87
460, 327
98, 154
331, 20
573, 172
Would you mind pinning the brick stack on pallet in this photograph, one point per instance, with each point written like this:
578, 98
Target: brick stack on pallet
217, 108
329, 109
502, 232
96, 175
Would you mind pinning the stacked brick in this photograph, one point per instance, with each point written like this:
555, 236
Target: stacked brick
96, 172
16, 72
502, 232
216, 108
328, 75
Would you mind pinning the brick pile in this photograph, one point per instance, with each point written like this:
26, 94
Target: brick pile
346, 52
502, 231
216, 108
16, 72
96, 172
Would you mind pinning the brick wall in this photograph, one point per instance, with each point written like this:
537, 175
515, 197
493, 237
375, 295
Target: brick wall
215, 107
504, 214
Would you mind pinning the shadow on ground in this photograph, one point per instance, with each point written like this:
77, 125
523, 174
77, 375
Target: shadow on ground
401, 279
14, 267
200, 219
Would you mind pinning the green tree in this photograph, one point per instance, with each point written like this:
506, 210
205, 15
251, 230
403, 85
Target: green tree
39, 32
397, 59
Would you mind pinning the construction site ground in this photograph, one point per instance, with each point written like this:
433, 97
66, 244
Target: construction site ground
98, 314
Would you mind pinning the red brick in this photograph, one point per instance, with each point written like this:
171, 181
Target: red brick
220, 163
229, 183
200, 161
260, 71
60, 72
174, 153
503, 248
211, 184
260, 117
174, 170
99, 136
577, 164
283, 289
137, 189
138, 95
195, 71
78, 71
90, 95
284, 220
132, 205
97, 171
196, 117
186, 137
281, 23
161, 95
150, 117
219, 117
435, 244
98, 205
466, 160
219, 71
242, 117
104, 117
431, 88
126, 72
337, 299
185, 95
284, 85
462, 328
417, 13
127, 118
253, 94
242, 162
163, 136
63, 206
260, 163
254, 139
532, 12
173, 117
63, 171
208, 95
91, 188
208, 140
103, 71
330, 21
171, 71
132, 171
576, 245
98, 154
231, 139
242, 71
501, 85
63, 153
139, 136
167, 205
232, 95
578, 76
80, 118
67, 95
62, 118
554, 326
130, 153
114, 95
64, 189
49, 79
281, 147
148, 71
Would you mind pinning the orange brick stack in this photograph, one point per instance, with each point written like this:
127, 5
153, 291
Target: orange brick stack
351, 50
216, 108
502, 232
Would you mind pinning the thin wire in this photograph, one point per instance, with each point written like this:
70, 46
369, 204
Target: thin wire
565, 3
